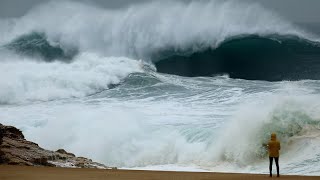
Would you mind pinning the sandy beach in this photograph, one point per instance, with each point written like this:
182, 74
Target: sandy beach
49, 173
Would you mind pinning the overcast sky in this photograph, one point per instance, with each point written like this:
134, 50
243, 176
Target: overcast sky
295, 10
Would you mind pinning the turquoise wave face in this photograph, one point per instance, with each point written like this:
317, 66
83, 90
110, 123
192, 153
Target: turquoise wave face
36, 44
252, 57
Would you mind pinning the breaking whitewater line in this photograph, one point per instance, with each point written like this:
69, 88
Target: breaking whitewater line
35, 44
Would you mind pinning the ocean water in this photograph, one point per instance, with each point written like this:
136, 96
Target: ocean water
168, 86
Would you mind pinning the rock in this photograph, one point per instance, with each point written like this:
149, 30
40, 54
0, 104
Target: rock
1, 134
63, 157
2, 157
1, 140
62, 151
41, 161
80, 164
15, 150
11, 132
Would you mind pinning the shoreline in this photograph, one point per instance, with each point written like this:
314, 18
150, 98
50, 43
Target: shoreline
8, 172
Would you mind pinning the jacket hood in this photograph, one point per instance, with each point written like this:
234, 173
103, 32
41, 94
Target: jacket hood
273, 136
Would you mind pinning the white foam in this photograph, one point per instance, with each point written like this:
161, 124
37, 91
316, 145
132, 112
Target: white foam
25, 80
144, 134
138, 31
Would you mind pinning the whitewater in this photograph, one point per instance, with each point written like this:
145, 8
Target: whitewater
87, 79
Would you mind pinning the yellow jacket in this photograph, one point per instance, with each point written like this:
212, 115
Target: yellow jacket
273, 146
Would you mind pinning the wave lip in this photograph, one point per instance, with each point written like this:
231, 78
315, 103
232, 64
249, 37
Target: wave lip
252, 57
35, 44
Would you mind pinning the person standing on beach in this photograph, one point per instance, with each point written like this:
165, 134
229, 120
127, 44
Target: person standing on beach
273, 148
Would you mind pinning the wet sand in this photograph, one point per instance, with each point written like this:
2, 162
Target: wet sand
49, 173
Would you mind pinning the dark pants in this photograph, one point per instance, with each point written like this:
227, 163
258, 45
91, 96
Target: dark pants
277, 164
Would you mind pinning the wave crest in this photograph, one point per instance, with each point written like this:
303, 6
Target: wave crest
36, 45
142, 30
250, 57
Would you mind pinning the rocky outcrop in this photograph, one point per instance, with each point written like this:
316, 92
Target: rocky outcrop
16, 150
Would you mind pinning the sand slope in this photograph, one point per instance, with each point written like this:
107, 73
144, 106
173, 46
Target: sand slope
51, 173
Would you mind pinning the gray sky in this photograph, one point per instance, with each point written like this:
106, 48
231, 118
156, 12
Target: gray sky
295, 10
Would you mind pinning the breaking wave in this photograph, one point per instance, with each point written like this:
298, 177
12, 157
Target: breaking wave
26, 80
287, 116
141, 31
36, 45
242, 40
272, 58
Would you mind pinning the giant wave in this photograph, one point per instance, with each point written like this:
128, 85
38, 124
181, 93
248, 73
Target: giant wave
225, 38
252, 57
